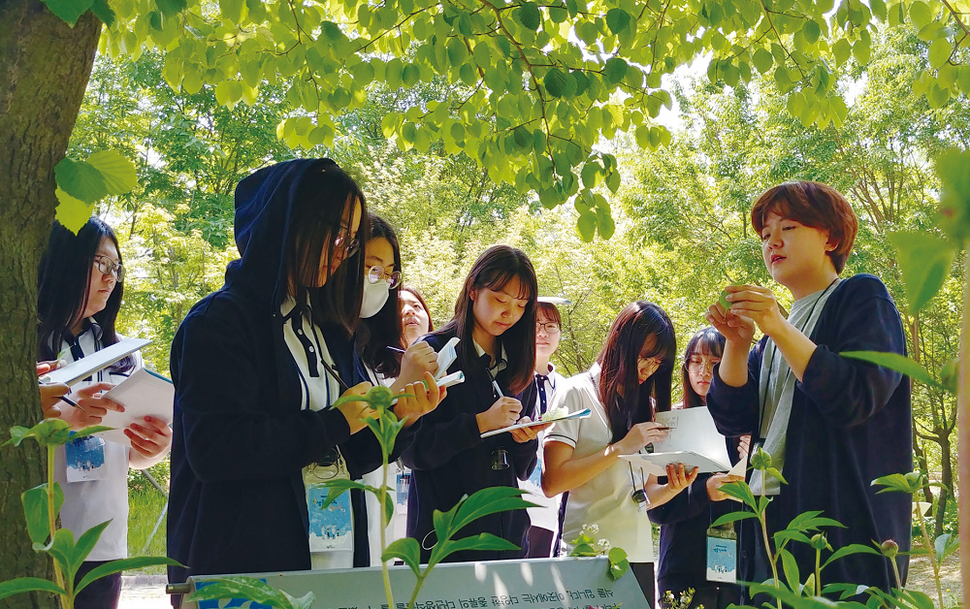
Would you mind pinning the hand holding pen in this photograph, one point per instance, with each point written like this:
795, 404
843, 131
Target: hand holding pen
51, 393
89, 406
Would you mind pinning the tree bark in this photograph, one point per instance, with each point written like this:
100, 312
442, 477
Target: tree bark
44, 69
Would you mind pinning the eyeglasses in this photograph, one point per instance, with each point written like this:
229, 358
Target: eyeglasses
653, 362
107, 266
701, 365
551, 328
343, 241
379, 273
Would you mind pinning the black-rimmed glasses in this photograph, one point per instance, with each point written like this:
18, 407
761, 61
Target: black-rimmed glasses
107, 266
551, 328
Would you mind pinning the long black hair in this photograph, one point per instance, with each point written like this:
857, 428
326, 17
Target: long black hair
625, 399
322, 198
707, 341
63, 280
494, 269
384, 329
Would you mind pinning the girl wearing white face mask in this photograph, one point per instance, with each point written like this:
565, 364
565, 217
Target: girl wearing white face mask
381, 362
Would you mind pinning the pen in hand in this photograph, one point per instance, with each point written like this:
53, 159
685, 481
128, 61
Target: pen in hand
395, 349
72, 403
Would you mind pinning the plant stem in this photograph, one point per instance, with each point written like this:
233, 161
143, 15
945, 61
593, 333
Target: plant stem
66, 601
417, 588
383, 501
818, 573
772, 559
931, 553
963, 449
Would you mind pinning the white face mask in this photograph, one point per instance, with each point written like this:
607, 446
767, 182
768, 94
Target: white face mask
375, 295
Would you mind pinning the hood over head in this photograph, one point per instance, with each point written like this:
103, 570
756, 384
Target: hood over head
314, 192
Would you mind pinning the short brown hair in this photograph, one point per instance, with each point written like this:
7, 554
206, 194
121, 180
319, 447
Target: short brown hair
550, 310
813, 204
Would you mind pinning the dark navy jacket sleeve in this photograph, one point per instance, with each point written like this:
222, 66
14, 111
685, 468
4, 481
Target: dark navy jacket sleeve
692, 502
846, 391
229, 433
735, 409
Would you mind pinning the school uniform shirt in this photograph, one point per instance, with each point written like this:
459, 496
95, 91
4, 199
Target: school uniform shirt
546, 516
93, 472
606, 500
449, 459
850, 423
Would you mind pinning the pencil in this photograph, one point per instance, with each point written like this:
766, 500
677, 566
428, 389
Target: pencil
72, 402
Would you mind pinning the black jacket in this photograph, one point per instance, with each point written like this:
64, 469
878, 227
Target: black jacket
449, 459
851, 422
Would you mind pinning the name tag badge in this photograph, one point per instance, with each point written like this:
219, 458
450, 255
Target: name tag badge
331, 527
722, 555
403, 484
84, 458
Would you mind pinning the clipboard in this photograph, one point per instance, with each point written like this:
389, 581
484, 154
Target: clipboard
579, 414
144, 393
99, 360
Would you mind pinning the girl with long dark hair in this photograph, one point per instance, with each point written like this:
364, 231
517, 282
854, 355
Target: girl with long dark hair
415, 314
629, 383
495, 318
685, 519
257, 366
80, 288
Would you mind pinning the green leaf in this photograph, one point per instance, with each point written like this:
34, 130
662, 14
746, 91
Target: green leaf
85, 543
80, 180
103, 12
68, 10
248, 588
897, 362
940, 52
740, 490
909, 483
72, 213
528, 15
615, 70
171, 8
125, 564
763, 60
29, 584
920, 13
618, 20
555, 82
924, 260
408, 550
586, 225
945, 545
118, 172
457, 52
231, 10
488, 501
35, 511
790, 568
811, 31
482, 542
848, 550
842, 50
336, 488
733, 517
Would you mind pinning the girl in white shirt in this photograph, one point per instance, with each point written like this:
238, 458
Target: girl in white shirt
80, 287
628, 384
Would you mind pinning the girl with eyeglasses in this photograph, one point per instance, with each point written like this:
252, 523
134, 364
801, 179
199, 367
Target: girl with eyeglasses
544, 527
257, 366
685, 519
379, 338
629, 382
495, 317
80, 288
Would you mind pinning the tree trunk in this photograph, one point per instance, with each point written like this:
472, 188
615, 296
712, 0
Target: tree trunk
963, 439
44, 69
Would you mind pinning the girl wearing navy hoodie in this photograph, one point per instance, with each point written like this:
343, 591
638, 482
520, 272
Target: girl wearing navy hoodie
256, 367
495, 319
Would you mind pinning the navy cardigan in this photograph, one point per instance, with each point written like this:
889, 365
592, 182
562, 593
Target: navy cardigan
851, 422
449, 459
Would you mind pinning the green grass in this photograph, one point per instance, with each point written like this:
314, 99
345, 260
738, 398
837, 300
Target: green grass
144, 508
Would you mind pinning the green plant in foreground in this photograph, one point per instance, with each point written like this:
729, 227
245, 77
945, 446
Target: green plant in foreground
587, 545
386, 426
810, 593
42, 505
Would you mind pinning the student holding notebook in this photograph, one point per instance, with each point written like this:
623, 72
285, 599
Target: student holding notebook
257, 366
80, 285
495, 317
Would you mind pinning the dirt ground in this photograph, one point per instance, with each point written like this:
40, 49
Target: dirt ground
921, 578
